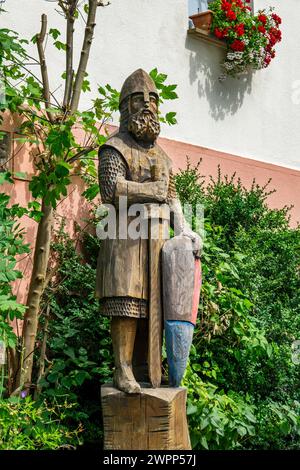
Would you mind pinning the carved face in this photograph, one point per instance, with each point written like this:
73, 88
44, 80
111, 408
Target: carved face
139, 101
143, 120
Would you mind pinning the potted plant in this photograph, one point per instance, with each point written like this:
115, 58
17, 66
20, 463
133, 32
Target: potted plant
203, 20
250, 39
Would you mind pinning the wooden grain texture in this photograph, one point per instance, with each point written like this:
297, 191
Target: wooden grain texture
155, 303
152, 420
178, 266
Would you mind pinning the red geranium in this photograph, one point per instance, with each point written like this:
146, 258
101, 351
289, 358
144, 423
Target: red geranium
276, 18
267, 60
225, 5
253, 36
221, 33
263, 19
237, 45
231, 15
240, 29
218, 33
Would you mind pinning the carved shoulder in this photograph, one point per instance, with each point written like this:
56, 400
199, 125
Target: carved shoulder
111, 166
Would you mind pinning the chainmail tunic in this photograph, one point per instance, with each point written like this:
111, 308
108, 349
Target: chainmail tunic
112, 165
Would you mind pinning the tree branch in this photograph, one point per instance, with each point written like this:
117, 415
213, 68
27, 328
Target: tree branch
85, 51
43, 65
70, 16
81, 153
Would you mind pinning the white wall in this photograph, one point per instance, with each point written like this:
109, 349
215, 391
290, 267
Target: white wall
257, 116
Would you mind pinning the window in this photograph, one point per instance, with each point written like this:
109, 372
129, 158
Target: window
196, 6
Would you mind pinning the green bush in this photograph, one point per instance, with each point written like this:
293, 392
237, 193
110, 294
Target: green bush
26, 425
11, 246
248, 319
243, 388
78, 345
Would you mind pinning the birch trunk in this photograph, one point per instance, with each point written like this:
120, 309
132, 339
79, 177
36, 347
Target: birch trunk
36, 288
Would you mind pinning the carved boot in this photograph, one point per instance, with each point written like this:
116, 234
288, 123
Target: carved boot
123, 332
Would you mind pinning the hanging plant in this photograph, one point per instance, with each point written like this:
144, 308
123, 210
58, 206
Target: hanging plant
250, 39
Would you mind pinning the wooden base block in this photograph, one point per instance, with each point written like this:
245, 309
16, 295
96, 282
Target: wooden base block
152, 420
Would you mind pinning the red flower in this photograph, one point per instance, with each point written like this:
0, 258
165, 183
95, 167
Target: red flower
261, 29
218, 33
276, 18
262, 19
221, 33
268, 47
275, 34
231, 15
272, 40
248, 8
267, 60
225, 5
237, 45
240, 29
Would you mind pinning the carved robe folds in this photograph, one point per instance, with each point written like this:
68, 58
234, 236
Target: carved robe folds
123, 265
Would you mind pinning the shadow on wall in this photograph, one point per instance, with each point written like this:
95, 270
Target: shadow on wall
223, 97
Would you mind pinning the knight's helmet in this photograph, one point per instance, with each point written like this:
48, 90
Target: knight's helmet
138, 82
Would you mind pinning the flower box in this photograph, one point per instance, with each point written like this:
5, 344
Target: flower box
203, 20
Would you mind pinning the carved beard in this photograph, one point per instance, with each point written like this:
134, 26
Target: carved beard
144, 125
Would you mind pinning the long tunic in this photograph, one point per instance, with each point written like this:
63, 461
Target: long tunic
123, 264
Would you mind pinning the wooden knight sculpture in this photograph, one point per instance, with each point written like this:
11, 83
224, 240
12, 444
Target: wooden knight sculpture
129, 275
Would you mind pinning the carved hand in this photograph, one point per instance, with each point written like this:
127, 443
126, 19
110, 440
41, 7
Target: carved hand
160, 189
196, 239
154, 191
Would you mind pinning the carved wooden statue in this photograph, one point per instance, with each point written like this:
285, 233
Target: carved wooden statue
129, 272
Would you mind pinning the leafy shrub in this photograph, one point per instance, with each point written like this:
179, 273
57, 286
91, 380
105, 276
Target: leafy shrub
11, 245
248, 317
26, 425
243, 388
217, 420
78, 345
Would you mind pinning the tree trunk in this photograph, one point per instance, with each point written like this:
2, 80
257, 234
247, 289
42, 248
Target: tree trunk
36, 288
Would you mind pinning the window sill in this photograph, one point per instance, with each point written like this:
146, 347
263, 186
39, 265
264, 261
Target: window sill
203, 35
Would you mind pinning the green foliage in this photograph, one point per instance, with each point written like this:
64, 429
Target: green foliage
79, 345
248, 317
217, 420
55, 137
26, 425
11, 245
278, 426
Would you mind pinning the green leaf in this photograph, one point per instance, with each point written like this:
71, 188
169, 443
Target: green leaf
191, 409
60, 45
5, 177
62, 169
203, 442
20, 175
171, 118
54, 33
168, 92
91, 192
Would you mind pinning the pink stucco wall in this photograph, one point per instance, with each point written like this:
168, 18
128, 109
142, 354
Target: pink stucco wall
75, 209
284, 180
